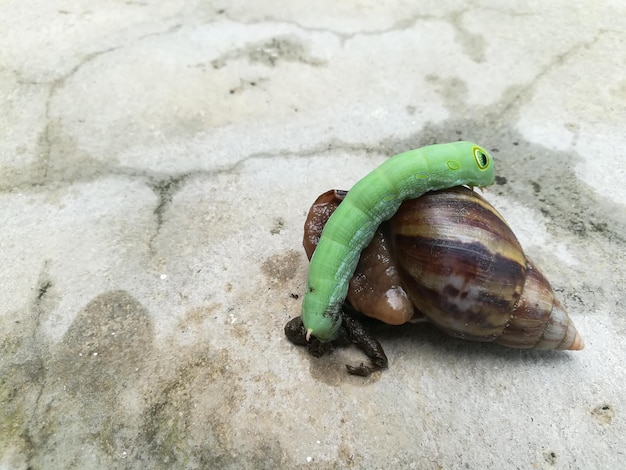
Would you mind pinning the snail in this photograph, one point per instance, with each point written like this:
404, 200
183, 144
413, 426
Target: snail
449, 258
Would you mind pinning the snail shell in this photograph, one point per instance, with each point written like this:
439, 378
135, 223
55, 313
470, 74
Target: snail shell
449, 257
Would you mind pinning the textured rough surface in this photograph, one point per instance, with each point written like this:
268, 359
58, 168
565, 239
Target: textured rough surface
158, 159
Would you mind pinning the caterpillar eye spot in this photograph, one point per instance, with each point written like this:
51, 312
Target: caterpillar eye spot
481, 158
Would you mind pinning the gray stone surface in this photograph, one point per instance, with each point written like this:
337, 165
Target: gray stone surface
157, 161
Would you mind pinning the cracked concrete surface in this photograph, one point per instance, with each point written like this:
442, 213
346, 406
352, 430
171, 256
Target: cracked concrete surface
158, 160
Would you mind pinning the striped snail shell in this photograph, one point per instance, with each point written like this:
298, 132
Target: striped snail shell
449, 257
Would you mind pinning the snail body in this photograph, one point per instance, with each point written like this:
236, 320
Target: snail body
450, 258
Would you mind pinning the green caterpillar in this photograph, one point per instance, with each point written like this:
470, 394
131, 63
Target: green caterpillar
371, 200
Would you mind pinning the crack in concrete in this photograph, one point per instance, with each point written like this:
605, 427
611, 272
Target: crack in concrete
467, 38
158, 181
43, 289
399, 25
527, 90
37, 349
473, 44
45, 139
164, 188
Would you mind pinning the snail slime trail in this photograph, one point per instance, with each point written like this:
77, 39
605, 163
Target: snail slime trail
371, 200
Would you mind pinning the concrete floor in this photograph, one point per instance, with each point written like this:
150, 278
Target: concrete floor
158, 159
